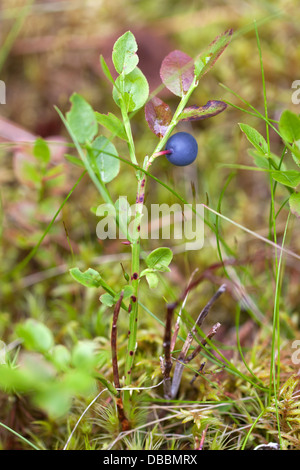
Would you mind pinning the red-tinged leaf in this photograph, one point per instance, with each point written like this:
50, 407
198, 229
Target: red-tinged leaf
205, 61
158, 116
177, 72
196, 113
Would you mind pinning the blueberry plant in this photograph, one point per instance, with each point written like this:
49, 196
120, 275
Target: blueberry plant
55, 373
62, 372
130, 91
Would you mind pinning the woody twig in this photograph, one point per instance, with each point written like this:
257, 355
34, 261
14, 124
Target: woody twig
166, 363
200, 346
177, 325
171, 387
122, 417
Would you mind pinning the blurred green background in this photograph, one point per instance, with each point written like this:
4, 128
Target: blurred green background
50, 49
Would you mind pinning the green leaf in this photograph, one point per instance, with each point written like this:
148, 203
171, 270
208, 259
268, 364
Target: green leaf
127, 292
31, 173
294, 202
107, 384
84, 355
107, 299
100, 187
289, 126
106, 70
113, 124
124, 54
103, 162
41, 151
289, 178
152, 280
255, 138
135, 90
296, 152
54, 400
88, 278
123, 210
54, 172
81, 119
36, 335
81, 381
56, 397
12, 379
159, 259
61, 357
76, 161
263, 160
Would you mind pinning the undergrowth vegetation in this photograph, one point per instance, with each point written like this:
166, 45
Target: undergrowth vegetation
116, 333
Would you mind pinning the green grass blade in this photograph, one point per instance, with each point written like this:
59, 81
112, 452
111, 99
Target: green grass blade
19, 436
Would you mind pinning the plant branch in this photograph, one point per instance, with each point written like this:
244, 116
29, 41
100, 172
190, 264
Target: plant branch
182, 356
203, 343
122, 417
177, 325
167, 363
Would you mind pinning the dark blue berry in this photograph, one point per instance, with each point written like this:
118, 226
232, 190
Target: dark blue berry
183, 147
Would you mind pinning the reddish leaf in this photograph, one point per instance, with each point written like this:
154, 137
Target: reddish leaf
196, 113
177, 72
158, 116
205, 61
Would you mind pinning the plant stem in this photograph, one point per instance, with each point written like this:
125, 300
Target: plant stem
183, 102
135, 269
135, 236
135, 257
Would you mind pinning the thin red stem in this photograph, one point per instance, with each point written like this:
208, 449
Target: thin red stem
163, 152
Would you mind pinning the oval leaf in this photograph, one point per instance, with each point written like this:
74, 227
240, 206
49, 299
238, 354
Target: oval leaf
196, 113
289, 178
159, 259
158, 116
88, 278
36, 335
41, 150
81, 119
177, 72
255, 138
124, 54
294, 202
112, 123
103, 162
84, 355
135, 90
61, 357
107, 300
152, 280
289, 126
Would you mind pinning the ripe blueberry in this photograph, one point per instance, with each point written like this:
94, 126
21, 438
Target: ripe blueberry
183, 147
